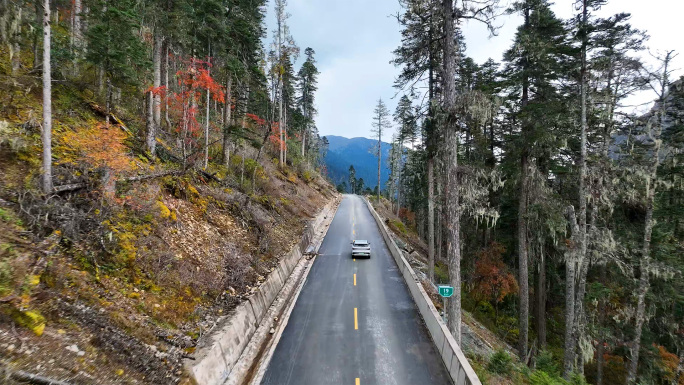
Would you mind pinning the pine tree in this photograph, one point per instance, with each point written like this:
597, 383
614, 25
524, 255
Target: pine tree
420, 58
482, 11
352, 179
113, 44
653, 152
308, 80
406, 119
380, 124
533, 64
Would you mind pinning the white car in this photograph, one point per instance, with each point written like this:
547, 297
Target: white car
360, 248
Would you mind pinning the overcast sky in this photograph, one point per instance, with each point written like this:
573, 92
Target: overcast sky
354, 40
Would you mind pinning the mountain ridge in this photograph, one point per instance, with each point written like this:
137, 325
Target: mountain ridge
344, 152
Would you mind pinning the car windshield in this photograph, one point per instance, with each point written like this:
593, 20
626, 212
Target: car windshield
361, 243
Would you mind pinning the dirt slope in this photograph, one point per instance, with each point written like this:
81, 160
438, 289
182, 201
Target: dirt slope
115, 280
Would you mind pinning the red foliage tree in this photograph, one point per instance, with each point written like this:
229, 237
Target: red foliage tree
193, 81
493, 279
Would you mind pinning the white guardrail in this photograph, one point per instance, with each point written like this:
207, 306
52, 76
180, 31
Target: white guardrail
454, 360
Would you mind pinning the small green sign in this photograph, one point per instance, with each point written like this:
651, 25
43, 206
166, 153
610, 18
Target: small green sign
446, 291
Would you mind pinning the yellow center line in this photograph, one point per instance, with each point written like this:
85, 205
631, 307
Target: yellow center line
356, 320
358, 381
354, 279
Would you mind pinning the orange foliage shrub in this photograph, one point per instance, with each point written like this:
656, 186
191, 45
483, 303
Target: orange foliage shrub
615, 372
408, 216
97, 147
669, 362
493, 279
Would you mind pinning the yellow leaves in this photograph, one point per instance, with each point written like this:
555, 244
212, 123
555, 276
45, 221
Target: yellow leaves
119, 372
31, 320
134, 295
193, 191
34, 280
164, 211
95, 146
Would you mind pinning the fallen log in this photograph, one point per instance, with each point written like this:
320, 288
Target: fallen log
20, 375
137, 178
100, 110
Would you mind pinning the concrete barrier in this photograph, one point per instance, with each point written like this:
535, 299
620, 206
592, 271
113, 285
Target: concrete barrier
219, 351
454, 360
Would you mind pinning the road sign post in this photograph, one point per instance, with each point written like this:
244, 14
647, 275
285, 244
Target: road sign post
445, 292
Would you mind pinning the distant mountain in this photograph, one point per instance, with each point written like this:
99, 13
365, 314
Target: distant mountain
343, 152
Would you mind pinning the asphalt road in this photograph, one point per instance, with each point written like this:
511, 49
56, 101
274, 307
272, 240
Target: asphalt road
354, 321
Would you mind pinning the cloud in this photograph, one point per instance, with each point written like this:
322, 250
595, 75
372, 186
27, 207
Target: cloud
349, 88
354, 40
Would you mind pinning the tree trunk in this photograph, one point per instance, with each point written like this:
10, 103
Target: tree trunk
453, 209
680, 370
570, 273
280, 92
78, 8
206, 132
523, 281
583, 261
150, 140
305, 130
439, 231
399, 172
244, 110
524, 309
651, 183
156, 57
379, 154
36, 35
541, 300
431, 219
47, 102
100, 80
644, 285
226, 121
76, 33
242, 166
15, 39
165, 71
600, 349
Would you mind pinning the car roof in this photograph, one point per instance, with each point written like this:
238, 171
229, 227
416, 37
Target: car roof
360, 241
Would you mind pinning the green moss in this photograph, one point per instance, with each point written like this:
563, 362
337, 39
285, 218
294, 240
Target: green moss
5, 278
8, 217
399, 225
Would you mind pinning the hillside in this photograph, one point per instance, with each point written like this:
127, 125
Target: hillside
343, 152
115, 275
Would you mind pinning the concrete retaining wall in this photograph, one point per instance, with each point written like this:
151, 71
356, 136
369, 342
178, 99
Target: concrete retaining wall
454, 360
217, 353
